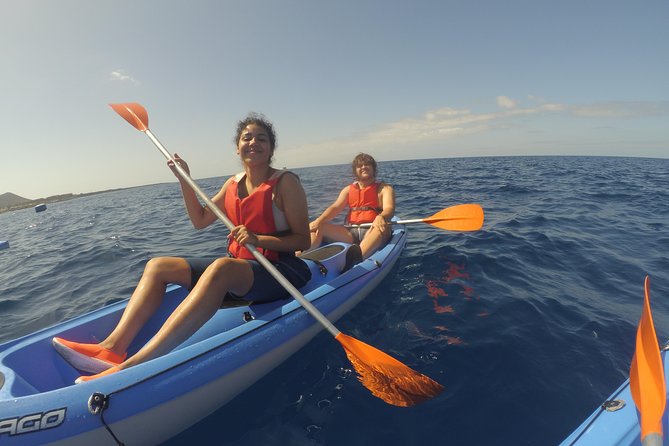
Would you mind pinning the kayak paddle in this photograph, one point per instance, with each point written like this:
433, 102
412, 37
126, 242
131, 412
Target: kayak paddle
383, 375
461, 217
647, 376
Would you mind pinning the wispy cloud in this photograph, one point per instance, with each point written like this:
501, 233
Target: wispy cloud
506, 102
121, 76
446, 123
621, 109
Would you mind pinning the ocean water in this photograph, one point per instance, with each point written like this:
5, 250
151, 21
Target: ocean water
528, 323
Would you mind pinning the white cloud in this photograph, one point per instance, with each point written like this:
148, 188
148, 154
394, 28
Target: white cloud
506, 102
119, 75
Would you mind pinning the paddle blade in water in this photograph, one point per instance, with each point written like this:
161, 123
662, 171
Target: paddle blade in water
134, 113
386, 377
647, 373
463, 217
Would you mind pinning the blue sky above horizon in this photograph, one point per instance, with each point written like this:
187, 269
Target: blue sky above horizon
400, 80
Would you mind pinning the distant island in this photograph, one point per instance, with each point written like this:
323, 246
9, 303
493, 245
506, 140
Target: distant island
13, 202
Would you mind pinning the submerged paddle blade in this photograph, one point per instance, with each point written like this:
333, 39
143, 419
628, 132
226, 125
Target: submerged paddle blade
647, 374
134, 113
386, 377
462, 217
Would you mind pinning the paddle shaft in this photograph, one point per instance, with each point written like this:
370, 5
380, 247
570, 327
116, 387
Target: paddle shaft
259, 257
652, 439
398, 222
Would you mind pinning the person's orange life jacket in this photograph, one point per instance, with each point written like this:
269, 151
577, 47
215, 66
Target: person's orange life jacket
363, 203
254, 211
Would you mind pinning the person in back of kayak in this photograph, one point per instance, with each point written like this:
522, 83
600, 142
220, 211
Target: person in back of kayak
269, 209
368, 201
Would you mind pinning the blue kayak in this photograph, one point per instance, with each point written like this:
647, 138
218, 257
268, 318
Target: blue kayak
615, 421
153, 401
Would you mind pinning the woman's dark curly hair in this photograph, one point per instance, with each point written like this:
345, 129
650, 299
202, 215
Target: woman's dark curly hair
262, 121
363, 158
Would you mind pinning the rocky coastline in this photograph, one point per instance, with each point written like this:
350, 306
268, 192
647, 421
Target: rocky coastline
11, 202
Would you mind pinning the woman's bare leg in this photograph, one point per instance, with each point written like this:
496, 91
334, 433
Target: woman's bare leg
316, 239
373, 240
331, 233
337, 233
146, 299
225, 274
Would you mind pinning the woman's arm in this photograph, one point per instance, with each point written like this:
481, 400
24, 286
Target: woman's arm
387, 201
199, 215
332, 211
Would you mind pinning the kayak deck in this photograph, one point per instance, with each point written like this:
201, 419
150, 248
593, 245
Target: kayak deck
614, 422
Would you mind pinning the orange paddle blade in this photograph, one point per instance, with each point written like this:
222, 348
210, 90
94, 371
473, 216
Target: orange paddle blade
647, 373
386, 377
462, 217
134, 113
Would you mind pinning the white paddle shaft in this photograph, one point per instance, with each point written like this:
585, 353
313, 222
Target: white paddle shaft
398, 222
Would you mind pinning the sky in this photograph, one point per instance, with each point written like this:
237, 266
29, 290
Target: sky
396, 79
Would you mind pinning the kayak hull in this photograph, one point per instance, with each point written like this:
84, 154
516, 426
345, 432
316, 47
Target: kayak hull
152, 402
615, 422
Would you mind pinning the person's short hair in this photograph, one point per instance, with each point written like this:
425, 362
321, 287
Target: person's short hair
363, 158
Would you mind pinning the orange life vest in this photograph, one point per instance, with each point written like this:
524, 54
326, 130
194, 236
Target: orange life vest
363, 203
254, 211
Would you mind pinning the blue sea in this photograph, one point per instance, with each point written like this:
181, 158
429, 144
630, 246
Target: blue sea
529, 323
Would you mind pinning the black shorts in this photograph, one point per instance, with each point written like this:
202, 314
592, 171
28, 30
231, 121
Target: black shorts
358, 233
265, 288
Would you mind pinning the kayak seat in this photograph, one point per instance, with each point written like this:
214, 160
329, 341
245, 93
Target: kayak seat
353, 257
322, 253
14, 385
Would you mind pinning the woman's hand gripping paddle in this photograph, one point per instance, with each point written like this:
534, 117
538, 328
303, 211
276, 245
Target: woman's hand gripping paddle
461, 217
384, 376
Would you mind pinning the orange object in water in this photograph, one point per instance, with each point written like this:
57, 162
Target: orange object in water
386, 377
647, 373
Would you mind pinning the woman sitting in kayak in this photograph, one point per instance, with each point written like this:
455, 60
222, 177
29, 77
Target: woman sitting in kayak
368, 201
269, 209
